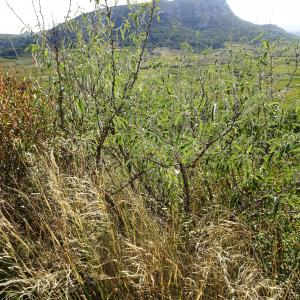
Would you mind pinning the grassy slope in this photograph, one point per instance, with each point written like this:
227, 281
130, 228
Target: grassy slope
22, 65
13, 45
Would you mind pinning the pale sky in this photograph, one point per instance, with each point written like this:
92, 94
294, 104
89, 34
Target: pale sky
284, 13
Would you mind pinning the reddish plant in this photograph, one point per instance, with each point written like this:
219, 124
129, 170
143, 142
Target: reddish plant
22, 124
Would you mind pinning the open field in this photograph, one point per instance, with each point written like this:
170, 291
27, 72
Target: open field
21, 66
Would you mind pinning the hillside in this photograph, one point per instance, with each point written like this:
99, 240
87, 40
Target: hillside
12, 45
206, 23
201, 23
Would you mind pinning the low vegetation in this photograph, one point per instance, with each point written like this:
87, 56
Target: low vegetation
126, 177
22, 124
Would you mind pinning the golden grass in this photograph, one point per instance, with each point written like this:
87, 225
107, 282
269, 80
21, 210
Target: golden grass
65, 238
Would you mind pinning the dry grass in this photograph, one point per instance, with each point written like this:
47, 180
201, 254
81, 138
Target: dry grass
64, 238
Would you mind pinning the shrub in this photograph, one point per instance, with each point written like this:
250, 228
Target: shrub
23, 124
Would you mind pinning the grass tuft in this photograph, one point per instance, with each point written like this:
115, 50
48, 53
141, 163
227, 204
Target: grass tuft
71, 242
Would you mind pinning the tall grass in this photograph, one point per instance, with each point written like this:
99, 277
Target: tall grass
71, 241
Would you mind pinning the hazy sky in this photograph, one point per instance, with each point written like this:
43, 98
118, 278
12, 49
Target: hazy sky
284, 13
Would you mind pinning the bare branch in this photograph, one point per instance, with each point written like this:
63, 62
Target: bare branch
134, 75
212, 142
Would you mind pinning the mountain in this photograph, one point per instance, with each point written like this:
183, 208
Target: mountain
206, 23
201, 23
